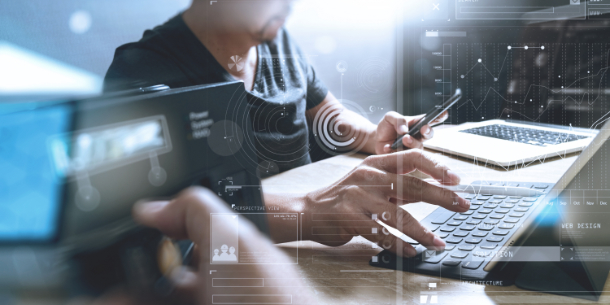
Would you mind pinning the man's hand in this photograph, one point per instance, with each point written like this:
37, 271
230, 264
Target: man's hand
394, 125
188, 217
344, 210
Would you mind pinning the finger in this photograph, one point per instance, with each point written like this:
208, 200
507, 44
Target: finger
414, 119
441, 118
416, 189
415, 230
412, 160
185, 280
413, 190
411, 142
427, 132
388, 241
181, 218
398, 121
399, 218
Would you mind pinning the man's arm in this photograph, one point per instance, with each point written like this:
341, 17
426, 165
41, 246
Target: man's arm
377, 138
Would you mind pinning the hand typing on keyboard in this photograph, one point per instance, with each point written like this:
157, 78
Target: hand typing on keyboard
373, 190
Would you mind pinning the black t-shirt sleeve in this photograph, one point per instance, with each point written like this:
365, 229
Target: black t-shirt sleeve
137, 67
316, 89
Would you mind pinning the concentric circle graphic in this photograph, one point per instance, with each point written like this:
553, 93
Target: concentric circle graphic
374, 75
334, 138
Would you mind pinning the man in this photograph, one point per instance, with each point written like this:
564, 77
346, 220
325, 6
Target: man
244, 40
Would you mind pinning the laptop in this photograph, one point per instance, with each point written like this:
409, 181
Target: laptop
72, 170
553, 242
510, 142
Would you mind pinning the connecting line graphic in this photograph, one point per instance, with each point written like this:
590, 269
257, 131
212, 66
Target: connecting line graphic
480, 62
601, 72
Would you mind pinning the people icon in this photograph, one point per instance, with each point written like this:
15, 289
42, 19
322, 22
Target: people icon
232, 256
224, 256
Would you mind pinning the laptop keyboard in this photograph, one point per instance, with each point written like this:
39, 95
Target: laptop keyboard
473, 236
524, 135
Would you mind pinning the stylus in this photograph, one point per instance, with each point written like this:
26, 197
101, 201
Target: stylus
494, 190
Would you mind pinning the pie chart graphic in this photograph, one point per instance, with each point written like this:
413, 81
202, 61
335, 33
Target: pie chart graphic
236, 63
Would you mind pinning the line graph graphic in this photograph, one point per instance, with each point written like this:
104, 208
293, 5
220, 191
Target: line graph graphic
532, 80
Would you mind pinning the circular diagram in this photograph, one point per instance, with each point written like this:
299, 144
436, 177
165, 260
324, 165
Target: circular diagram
374, 78
332, 136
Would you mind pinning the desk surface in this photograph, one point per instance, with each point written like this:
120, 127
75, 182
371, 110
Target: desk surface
342, 275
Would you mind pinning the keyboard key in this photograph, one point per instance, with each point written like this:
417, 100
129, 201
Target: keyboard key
454, 240
507, 205
490, 206
442, 217
506, 226
442, 235
474, 207
511, 200
451, 262
467, 213
476, 202
454, 223
515, 197
461, 217
449, 247
433, 227
461, 234
467, 227
541, 187
486, 227
474, 264
511, 220
529, 199
473, 240
495, 201
526, 204
469, 196
502, 211
447, 229
459, 254
479, 234
485, 211
488, 246
437, 258
496, 216
521, 209
491, 221
466, 247
500, 232
516, 214
473, 222
499, 197
495, 239
483, 197
479, 216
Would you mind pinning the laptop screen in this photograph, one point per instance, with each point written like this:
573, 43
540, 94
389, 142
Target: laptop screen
31, 189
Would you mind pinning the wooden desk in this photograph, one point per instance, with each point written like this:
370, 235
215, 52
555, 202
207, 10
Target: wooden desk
342, 275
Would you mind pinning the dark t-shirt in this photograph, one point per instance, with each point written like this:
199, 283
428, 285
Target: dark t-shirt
285, 84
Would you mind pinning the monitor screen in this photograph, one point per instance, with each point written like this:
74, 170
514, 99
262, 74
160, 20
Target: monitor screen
31, 189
